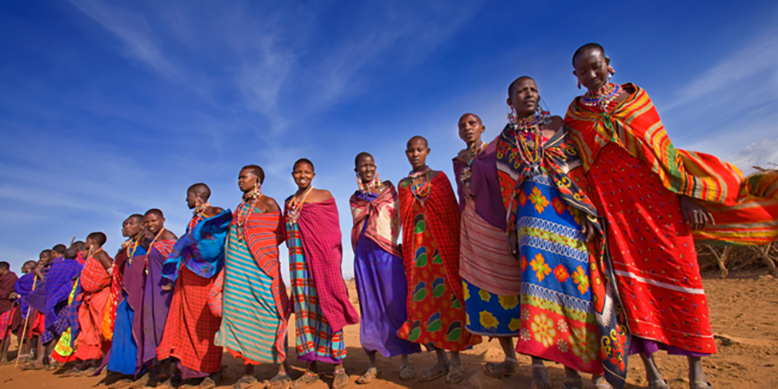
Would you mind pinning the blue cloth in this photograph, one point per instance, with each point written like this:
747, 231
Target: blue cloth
124, 350
23, 288
69, 317
382, 288
201, 249
59, 283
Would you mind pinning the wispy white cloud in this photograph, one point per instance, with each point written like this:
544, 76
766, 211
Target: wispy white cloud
140, 39
763, 153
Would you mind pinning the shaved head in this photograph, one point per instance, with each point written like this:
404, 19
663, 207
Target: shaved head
137, 217
587, 47
417, 138
201, 190
98, 237
155, 211
516, 81
473, 115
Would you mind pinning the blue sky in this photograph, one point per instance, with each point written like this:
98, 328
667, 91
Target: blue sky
109, 108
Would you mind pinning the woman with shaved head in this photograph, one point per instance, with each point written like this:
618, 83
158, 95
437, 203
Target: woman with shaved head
551, 228
651, 195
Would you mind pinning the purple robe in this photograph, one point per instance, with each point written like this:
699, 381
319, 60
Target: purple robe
156, 304
382, 289
484, 186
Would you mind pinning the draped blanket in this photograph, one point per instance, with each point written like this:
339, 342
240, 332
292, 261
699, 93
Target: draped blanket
752, 221
320, 230
383, 219
59, 285
23, 287
117, 275
149, 323
484, 258
263, 232
635, 125
442, 214
201, 249
95, 285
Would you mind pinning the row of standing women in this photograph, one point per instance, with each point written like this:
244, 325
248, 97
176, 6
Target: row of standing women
573, 235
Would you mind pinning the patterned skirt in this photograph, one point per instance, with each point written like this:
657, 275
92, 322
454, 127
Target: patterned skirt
557, 314
314, 338
249, 316
435, 316
490, 314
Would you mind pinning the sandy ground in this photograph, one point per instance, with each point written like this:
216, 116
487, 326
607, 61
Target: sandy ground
744, 310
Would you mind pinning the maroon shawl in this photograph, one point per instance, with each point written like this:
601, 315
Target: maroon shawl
320, 232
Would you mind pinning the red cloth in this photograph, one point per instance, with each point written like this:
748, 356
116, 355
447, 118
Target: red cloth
263, 232
7, 282
320, 231
6, 322
95, 284
442, 213
117, 277
191, 327
652, 252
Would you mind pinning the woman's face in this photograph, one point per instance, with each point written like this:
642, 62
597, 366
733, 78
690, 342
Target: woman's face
591, 68
303, 175
524, 97
366, 168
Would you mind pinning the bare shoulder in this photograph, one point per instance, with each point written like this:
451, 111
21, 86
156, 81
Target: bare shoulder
555, 124
269, 204
104, 258
319, 195
167, 234
213, 211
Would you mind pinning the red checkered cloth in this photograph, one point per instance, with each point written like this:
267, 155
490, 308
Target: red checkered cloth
216, 296
117, 277
6, 322
320, 232
442, 213
191, 327
95, 283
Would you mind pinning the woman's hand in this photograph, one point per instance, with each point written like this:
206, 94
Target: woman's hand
695, 214
464, 156
587, 228
513, 244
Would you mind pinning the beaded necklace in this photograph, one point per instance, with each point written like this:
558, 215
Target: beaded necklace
529, 140
132, 243
199, 212
421, 191
246, 209
467, 172
151, 246
366, 188
602, 97
92, 253
296, 206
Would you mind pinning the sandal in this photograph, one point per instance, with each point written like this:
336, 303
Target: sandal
658, 384
340, 379
455, 375
280, 381
371, 374
432, 374
74, 372
573, 383
503, 369
306, 379
210, 381
140, 382
122, 383
539, 378
34, 365
245, 382
406, 373
700, 385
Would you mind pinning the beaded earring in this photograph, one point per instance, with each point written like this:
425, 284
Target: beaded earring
511, 115
579, 84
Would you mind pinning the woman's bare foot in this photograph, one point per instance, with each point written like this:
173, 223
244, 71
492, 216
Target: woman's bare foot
245, 382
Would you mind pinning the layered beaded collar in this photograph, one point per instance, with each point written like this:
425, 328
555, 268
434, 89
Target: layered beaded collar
602, 97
